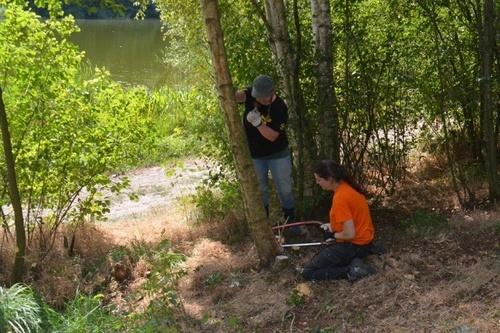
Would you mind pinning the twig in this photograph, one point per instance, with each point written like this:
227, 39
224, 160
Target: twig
322, 307
289, 312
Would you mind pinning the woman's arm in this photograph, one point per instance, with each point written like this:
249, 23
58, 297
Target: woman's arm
348, 231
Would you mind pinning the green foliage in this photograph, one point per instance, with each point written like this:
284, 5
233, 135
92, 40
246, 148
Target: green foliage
213, 280
163, 308
19, 310
394, 82
185, 34
165, 273
216, 198
234, 323
87, 314
68, 131
295, 298
187, 122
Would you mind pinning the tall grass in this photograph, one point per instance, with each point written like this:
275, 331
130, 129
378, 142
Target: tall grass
19, 310
87, 314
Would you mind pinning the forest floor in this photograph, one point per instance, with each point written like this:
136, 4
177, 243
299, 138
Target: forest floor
439, 273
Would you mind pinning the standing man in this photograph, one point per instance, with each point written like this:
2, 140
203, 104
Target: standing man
264, 119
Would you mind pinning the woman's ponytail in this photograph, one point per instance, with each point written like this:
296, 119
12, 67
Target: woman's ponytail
329, 169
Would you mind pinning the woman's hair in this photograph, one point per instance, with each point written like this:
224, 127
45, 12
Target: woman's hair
327, 169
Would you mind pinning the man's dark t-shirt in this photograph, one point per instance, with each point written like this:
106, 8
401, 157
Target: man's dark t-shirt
275, 116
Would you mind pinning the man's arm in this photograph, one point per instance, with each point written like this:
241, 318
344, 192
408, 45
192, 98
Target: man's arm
268, 132
240, 96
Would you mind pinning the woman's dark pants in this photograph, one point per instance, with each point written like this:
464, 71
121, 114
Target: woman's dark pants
332, 262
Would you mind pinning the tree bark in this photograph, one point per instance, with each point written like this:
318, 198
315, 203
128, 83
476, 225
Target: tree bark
260, 230
329, 140
486, 49
288, 63
18, 271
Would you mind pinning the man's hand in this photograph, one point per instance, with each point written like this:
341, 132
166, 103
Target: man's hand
253, 118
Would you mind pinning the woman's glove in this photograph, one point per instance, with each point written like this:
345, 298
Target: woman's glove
328, 235
253, 118
326, 227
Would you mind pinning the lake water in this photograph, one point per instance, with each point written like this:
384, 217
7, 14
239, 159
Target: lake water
133, 51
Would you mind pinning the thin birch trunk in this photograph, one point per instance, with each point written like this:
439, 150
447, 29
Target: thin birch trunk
329, 142
288, 64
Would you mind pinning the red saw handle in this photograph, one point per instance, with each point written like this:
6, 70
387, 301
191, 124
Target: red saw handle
283, 226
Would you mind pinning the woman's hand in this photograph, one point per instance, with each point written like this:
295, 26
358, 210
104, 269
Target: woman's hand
326, 227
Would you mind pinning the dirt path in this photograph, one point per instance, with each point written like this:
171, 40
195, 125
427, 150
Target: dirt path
158, 189
158, 209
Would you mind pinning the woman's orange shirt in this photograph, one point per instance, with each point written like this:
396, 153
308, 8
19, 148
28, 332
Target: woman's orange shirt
348, 204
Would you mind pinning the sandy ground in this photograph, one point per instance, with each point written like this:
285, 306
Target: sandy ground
158, 190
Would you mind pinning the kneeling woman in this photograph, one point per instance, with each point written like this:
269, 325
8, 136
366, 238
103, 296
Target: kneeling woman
350, 224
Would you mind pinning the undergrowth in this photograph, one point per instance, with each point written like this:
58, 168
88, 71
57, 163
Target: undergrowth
22, 310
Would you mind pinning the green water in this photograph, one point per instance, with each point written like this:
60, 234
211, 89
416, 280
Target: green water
133, 51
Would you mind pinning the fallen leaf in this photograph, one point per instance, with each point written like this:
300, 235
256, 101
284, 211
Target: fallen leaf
303, 289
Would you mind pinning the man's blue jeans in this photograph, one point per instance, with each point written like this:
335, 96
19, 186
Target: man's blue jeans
281, 171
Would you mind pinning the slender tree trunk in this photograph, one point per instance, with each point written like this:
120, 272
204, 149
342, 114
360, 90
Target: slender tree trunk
496, 66
329, 141
18, 271
347, 159
254, 209
288, 64
486, 48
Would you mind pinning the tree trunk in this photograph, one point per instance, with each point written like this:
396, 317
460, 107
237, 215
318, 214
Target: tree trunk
260, 230
329, 141
288, 64
486, 48
18, 271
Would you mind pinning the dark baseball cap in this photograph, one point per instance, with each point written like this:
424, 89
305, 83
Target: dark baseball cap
262, 86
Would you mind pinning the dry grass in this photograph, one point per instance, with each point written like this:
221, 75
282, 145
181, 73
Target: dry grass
58, 276
440, 281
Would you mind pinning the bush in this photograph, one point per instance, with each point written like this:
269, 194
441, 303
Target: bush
187, 122
215, 199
